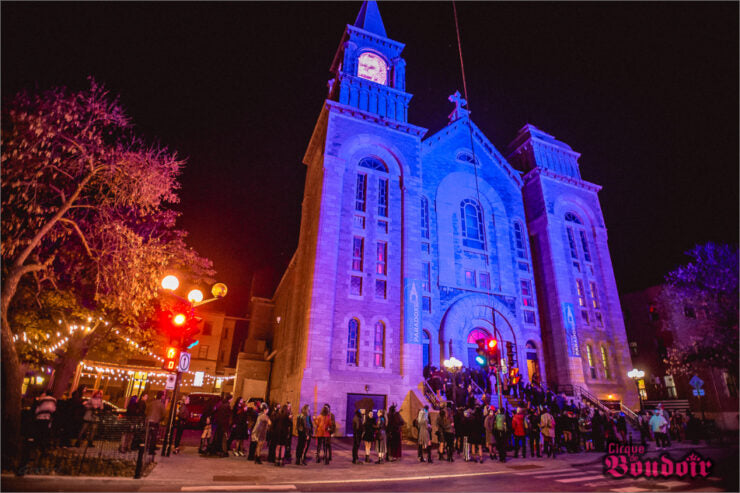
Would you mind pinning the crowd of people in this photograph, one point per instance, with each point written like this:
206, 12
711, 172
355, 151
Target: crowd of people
467, 426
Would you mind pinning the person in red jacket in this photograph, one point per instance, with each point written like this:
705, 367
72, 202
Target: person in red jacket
519, 427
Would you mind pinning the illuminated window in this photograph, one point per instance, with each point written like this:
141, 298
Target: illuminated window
470, 278
594, 294
426, 285
379, 344
521, 245
358, 246
353, 342
383, 197
605, 362
472, 224
372, 67
527, 295
360, 192
381, 261
590, 358
424, 218
581, 293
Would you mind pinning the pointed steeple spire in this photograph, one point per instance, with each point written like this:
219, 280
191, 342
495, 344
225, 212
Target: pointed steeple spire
369, 18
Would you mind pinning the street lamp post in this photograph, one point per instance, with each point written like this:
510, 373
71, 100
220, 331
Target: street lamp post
194, 299
637, 375
453, 365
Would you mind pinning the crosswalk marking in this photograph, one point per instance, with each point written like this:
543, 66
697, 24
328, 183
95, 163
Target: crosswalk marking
241, 487
672, 484
540, 471
580, 478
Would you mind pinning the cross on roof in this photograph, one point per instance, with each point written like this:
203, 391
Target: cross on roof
459, 111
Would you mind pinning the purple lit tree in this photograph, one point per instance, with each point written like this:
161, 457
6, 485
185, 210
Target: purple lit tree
704, 293
86, 226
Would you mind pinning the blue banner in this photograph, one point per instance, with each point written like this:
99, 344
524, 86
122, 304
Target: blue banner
569, 322
411, 312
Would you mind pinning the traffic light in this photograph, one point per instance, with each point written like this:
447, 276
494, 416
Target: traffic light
171, 358
481, 359
492, 353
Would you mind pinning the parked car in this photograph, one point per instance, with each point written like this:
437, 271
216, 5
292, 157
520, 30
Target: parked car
201, 406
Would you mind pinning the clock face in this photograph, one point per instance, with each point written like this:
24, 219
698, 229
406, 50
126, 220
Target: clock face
372, 67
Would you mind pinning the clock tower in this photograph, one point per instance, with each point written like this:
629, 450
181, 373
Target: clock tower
369, 73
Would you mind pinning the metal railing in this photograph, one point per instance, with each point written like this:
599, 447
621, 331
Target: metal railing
431, 395
107, 446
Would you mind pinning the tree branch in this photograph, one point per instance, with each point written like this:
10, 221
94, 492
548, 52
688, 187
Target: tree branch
79, 233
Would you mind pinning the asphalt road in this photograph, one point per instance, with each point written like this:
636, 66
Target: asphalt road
571, 472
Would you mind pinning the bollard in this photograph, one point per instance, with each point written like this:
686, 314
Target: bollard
139, 461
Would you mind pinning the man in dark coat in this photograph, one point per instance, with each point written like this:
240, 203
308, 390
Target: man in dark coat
220, 421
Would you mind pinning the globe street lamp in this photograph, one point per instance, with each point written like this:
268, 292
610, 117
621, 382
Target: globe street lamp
637, 375
453, 365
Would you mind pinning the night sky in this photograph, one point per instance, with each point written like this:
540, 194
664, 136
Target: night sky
646, 92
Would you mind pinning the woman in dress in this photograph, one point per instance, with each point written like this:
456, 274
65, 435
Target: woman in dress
259, 433
368, 433
381, 425
425, 432
281, 433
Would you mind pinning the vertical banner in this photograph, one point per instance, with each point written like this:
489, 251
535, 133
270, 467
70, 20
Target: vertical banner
569, 322
411, 312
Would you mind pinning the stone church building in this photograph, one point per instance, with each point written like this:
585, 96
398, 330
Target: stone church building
412, 246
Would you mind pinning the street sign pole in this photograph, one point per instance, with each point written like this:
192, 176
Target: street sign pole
167, 444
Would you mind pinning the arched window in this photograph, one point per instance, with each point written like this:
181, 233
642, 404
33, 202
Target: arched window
471, 222
466, 157
572, 218
424, 218
605, 362
379, 344
353, 342
426, 340
521, 245
374, 164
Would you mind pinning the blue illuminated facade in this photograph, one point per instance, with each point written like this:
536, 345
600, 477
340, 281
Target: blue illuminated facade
414, 245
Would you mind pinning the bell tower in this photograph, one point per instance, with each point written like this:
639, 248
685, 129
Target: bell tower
369, 73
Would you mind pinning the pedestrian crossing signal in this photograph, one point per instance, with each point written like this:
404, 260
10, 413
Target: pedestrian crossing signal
172, 357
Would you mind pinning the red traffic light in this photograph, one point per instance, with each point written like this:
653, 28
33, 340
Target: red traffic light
492, 343
179, 319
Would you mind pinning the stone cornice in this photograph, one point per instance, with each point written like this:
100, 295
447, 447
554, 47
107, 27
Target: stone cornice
374, 86
375, 38
591, 187
391, 123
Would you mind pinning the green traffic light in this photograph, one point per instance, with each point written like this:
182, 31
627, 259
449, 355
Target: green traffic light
480, 360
